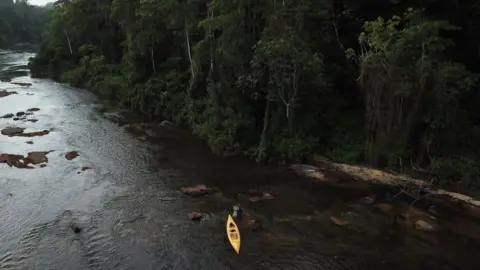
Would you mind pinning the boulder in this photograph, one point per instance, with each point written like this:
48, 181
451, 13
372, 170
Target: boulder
337, 221
21, 83
32, 134
428, 226
16, 161
4, 93
36, 158
195, 216
71, 155
12, 131
263, 197
198, 190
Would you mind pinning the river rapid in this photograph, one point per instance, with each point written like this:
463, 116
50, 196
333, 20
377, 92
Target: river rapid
118, 205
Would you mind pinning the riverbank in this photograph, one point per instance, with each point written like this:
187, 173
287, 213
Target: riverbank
319, 168
406, 184
322, 171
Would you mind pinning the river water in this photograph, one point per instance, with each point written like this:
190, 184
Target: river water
133, 216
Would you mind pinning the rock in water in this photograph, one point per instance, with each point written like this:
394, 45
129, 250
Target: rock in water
195, 216
22, 83
10, 131
76, 228
198, 190
4, 93
71, 155
36, 158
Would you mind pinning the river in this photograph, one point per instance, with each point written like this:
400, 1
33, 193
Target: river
129, 212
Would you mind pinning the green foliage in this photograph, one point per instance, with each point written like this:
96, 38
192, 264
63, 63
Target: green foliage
459, 170
292, 147
270, 78
404, 71
346, 146
20, 23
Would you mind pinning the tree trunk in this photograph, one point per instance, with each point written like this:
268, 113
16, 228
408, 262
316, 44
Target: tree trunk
153, 60
292, 101
68, 41
262, 146
189, 51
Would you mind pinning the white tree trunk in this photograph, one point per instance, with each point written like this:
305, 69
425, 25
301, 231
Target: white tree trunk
153, 61
189, 51
69, 44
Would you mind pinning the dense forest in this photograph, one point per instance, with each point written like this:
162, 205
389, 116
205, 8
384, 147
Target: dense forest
391, 84
21, 23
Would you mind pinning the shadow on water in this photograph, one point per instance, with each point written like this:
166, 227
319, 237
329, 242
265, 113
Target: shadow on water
130, 214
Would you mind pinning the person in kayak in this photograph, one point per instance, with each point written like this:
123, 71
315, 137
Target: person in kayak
237, 212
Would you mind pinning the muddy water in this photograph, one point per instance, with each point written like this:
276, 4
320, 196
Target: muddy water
132, 215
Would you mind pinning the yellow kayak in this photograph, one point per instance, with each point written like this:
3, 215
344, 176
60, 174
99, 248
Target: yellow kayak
233, 234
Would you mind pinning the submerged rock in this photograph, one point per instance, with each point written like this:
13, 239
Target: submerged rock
409, 216
252, 221
71, 155
385, 208
338, 221
369, 199
264, 196
19, 132
32, 134
22, 162
255, 195
198, 190
85, 168
14, 160
195, 216
11, 131
75, 228
425, 226
311, 172
36, 157
4, 93
254, 225
21, 83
